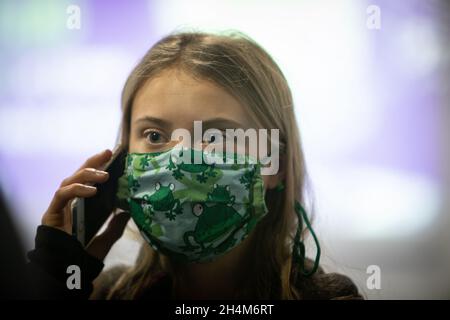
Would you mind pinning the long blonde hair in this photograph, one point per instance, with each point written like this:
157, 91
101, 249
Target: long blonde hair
240, 66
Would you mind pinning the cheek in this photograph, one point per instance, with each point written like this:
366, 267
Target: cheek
135, 144
132, 144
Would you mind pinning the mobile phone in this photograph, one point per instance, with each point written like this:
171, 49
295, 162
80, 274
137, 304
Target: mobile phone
89, 214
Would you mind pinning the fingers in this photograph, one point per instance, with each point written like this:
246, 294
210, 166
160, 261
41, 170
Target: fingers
64, 194
88, 172
58, 213
96, 161
86, 175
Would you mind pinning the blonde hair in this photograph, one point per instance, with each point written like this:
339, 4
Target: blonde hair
240, 66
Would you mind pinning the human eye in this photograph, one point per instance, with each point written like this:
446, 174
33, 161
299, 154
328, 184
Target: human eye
154, 137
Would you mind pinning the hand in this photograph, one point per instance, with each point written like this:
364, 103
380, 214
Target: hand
58, 214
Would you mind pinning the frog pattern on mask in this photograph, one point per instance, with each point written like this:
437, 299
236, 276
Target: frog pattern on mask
163, 200
190, 209
202, 171
215, 221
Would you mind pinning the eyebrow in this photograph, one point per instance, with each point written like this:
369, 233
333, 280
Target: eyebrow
157, 121
219, 123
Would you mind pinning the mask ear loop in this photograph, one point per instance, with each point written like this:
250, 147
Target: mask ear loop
299, 252
299, 246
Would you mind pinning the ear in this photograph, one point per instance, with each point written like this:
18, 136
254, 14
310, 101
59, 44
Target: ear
271, 182
157, 186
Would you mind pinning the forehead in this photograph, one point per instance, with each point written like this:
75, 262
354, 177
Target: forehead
176, 96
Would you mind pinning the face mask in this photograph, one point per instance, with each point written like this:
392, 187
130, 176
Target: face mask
192, 210
197, 212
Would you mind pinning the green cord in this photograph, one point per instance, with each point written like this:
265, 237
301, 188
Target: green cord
299, 252
299, 247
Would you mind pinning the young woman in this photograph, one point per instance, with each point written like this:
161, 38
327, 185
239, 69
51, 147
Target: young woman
227, 82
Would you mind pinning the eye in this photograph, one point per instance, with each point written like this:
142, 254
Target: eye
154, 137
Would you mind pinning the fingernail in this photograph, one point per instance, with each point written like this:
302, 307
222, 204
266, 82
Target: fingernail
101, 173
90, 187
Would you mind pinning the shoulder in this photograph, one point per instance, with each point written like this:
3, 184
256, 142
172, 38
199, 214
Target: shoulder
326, 286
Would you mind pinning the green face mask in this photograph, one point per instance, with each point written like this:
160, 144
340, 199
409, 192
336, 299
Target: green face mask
190, 205
194, 206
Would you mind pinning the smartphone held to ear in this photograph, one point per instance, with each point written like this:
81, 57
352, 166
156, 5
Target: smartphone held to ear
89, 214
